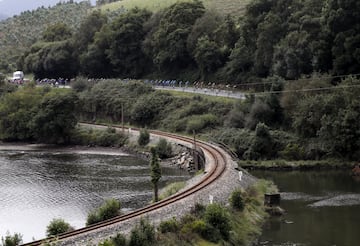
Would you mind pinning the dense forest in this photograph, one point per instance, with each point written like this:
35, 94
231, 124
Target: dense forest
289, 39
299, 61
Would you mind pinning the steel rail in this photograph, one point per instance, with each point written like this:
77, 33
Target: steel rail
216, 155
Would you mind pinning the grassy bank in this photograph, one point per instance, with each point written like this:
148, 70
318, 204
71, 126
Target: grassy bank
297, 165
209, 225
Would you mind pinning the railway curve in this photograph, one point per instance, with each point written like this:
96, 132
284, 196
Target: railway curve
219, 174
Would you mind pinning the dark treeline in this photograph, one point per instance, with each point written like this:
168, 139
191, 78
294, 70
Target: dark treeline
311, 118
282, 37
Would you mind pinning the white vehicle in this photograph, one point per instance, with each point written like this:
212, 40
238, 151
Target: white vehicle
18, 77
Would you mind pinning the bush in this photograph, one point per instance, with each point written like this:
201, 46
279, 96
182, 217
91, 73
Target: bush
14, 240
144, 137
143, 234
119, 240
236, 200
95, 137
198, 123
169, 226
110, 209
217, 217
57, 226
163, 149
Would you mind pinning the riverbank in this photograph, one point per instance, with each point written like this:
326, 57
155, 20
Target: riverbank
279, 165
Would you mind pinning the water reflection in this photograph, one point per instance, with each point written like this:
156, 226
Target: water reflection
36, 187
322, 209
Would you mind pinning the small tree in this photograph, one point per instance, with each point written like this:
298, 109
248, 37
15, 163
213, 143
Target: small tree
163, 149
10, 240
144, 137
57, 226
155, 173
236, 200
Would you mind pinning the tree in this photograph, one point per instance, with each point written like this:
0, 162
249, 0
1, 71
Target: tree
51, 60
262, 144
155, 173
10, 240
17, 110
57, 226
57, 32
208, 56
55, 119
88, 28
341, 24
124, 52
167, 46
144, 137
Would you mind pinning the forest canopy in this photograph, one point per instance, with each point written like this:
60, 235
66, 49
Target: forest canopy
290, 39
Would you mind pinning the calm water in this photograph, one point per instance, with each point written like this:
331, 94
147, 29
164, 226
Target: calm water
323, 209
36, 187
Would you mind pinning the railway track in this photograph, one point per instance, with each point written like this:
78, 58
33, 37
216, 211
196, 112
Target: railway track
215, 158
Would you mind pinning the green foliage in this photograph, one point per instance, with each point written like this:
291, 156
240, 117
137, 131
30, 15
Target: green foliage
21, 31
12, 240
163, 149
119, 240
58, 226
56, 32
155, 172
110, 209
293, 152
167, 43
199, 123
125, 52
218, 218
169, 226
55, 119
237, 200
261, 145
171, 189
91, 137
143, 234
51, 60
144, 137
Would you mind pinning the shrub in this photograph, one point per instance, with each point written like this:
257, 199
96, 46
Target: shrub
198, 123
57, 226
236, 200
143, 234
10, 240
169, 226
144, 137
164, 149
217, 217
119, 240
110, 209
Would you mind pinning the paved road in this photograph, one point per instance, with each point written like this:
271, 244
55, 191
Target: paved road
205, 91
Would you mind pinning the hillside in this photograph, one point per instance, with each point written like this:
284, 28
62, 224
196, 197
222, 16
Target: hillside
224, 6
20, 32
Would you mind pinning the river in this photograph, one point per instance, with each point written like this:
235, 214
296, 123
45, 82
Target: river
322, 209
36, 187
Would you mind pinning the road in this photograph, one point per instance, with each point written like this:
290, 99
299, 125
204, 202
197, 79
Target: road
204, 91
